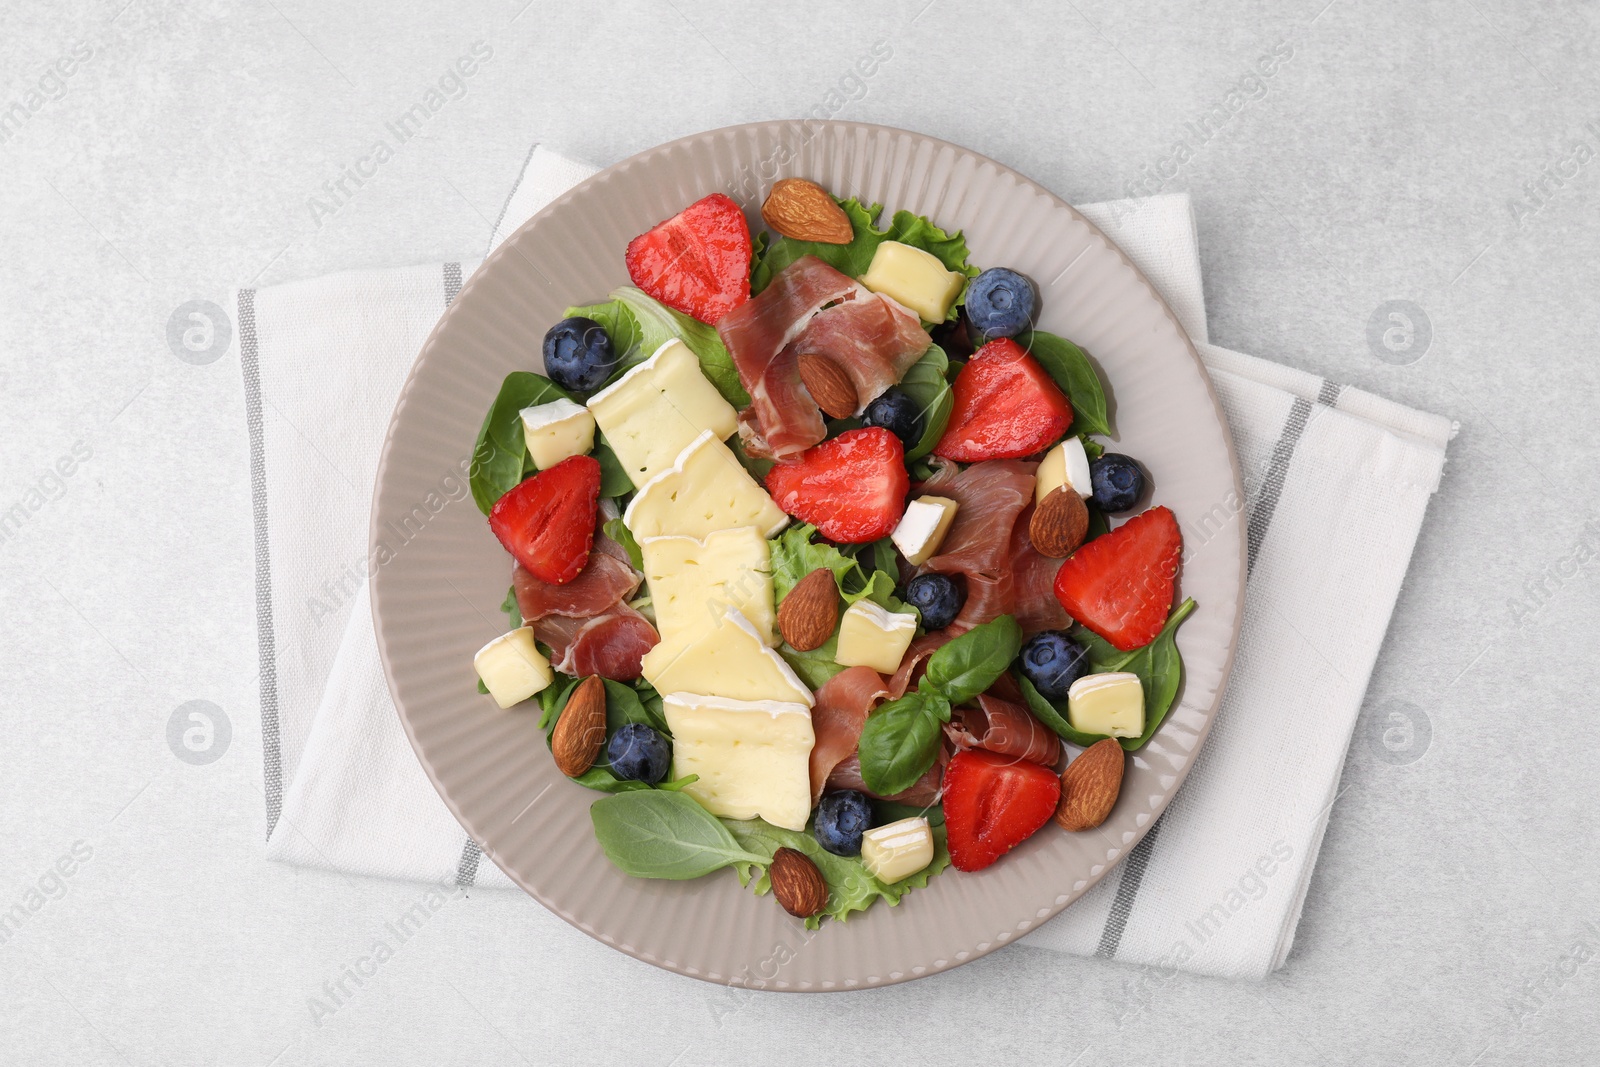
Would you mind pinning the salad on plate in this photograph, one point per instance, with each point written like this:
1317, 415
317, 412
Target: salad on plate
820, 568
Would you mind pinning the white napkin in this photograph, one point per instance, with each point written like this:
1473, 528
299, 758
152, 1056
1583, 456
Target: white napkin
1337, 480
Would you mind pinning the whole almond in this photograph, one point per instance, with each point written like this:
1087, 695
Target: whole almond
1089, 786
809, 613
1058, 524
797, 883
803, 210
828, 385
581, 730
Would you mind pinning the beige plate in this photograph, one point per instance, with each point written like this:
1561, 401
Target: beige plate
436, 602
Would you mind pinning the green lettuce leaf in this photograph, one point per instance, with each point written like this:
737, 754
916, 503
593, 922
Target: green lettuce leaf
638, 325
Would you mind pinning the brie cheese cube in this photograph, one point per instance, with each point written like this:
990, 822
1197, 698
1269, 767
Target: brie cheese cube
1110, 704
753, 757
512, 668
653, 412
870, 636
897, 850
707, 489
914, 278
731, 661
693, 582
1065, 464
557, 431
922, 528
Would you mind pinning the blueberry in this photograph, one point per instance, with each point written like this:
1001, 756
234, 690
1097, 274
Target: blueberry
639, 753
578, 355
897, 413
1000, 303
938, 596
1052, 661
1117, 482
842, 818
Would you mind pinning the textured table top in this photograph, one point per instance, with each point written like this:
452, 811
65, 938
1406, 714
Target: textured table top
1406, 202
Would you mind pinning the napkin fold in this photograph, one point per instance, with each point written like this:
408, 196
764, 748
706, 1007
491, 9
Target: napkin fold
1337, 482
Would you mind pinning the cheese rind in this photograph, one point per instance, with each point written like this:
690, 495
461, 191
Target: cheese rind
1111, 703
1065, 464
556, 431
897, 850
731, 661
752, 757
512, 667
870, 636
914, 278
922, 528
705, 490
693, 581
654, 411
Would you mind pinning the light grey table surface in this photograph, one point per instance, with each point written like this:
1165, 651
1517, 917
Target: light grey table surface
1451, 917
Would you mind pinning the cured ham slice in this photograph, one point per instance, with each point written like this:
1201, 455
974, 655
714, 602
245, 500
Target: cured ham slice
924, 792
604, 581
610, 645
990, 496
843, 704
873, 340
1033, 577
783, 419
1000, 726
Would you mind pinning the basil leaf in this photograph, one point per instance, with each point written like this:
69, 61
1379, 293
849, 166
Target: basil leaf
659, 324
1159, 666
660, 833
500, 453
1076, 376
900, 741
968, 665
618, 531
614, 481
926, 382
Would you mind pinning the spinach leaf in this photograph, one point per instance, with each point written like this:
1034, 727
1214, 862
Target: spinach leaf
624, 705
614, 481
1158, 665
1098, 523
552, 699
900, 741
851, 887
659, 324
618, 531
1073, 372
498, 457
926, 383
623, 329
661, 833
968, 665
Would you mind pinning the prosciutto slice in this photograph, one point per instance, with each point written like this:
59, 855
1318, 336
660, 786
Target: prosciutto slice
872, 338
1033, 580
924, 792
1000, 726
587, 622
843, 704
782, 419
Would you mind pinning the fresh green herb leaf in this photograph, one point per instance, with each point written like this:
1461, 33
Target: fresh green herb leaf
552, 699
600, 778
794, 556
968, 665
618, 531
661, 833
948, 248
883, 557
624, 705
482, 688
1099, 525
851, 888
1072, 371
900, 741
758, 468
677, 784
614, 480
498, 457
814, 667
512, 609
1091, 448
1158, 665
927, 383
887, 811
659, 324
621, 326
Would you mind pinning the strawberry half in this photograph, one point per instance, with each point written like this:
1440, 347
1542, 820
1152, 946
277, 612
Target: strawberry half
1120, 584
993, 803
1006, 406
852, 488
547, 521
698, 261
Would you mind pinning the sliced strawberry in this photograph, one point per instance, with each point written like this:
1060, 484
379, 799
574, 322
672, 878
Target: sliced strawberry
852, 488
698, 261
993, 803
1120, 584
547, 521
1006, 407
